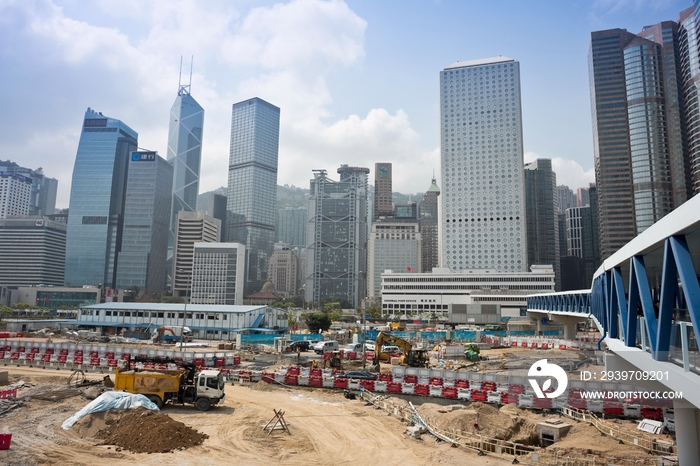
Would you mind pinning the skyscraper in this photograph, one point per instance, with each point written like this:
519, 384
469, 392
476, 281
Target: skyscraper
217, 273
291, 227
566, 198
15, 193
42, 200
428, 221
142, 260
644, 105
541, 209
252, 185
336, 261
382, 190
97, 200
32, 251
482, 205
184, 152
190, 228
394, 244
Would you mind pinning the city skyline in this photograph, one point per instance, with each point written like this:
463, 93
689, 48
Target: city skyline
345, 99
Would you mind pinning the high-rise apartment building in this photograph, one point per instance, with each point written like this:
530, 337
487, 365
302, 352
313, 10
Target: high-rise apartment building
218, 273
383, 194
291, 227
15, 193
184, 153
42, 200
428, 220
336, 259
284, 270
252, 185
32, 252
483, 196
394, 244
566, 199
97, 200
644, 106
541, 207
144, 253
190, 228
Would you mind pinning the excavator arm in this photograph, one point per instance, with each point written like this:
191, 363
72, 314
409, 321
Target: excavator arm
389, 339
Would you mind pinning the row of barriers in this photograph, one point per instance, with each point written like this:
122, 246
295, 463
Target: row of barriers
543, 342
463, 389
101, 357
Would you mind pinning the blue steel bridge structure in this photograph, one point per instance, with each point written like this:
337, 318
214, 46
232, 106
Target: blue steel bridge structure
645, 302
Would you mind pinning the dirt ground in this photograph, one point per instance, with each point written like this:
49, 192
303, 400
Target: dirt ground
325, 429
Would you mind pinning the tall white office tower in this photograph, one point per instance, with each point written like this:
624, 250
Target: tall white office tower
483, 197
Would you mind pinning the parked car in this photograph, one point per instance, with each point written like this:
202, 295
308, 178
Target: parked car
356, 347
360, 375
325, 346
301, 344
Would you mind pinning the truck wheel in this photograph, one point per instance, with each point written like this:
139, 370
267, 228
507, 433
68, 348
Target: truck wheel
202, 404
158, 401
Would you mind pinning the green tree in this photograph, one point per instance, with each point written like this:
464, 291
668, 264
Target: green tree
328, 307
335, 315
317, 321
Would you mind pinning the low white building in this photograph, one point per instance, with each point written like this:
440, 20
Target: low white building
481, 296
206, 321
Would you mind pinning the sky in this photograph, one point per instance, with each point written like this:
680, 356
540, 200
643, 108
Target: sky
356, 80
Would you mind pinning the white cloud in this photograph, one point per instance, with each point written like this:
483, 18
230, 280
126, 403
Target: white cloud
569, 172
126, 64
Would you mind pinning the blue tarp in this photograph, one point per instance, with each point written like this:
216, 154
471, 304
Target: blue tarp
110, 400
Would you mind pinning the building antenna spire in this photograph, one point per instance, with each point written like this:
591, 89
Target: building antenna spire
191, 66
184, 88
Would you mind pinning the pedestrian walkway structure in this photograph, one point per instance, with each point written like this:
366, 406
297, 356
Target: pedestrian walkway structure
645, 301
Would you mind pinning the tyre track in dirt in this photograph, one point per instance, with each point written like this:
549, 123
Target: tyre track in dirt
325, 429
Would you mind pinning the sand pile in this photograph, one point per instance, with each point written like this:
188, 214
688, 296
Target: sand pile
262, 386
484, 419
139, 430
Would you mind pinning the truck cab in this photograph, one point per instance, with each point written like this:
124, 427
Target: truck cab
208, 389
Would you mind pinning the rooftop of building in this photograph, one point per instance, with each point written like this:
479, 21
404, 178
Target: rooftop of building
478, 62
174, 307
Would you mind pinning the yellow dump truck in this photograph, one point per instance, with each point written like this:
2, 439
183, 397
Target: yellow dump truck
182, 386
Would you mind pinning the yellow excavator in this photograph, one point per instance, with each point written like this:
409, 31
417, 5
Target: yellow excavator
411, 357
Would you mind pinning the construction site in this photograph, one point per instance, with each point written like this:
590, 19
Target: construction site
452, 404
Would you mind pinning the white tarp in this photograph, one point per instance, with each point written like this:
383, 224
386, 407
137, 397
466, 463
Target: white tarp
110, 400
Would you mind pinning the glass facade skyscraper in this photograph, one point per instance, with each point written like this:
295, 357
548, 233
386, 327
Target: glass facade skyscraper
184, 153
97, 200
482, 202
646, 124
541, 207
383, 194
252, 186
336, 260
142, 260
428, 219
291, 227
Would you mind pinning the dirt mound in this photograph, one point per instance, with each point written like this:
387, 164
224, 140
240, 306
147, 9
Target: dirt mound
143, 431
484, 419
262, 386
